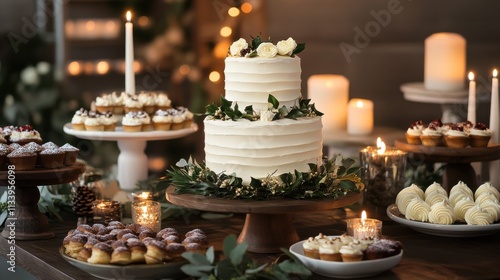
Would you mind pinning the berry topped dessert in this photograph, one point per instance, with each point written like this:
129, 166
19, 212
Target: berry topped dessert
25, 134
479, 135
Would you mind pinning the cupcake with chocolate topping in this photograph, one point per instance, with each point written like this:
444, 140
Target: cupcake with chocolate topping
70, 153
148, 101
108, 120
456, 137
132, 104
162, 102
146, 121
413, 133
432, 134
177, 119
162, 120
103, 104
479, 135
131, 122
93, 122
188, 116
22, 159
78, 120
118, 100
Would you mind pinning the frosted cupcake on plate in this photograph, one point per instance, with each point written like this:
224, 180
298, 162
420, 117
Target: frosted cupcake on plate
103, 104
146, 120
479, 135
329, 250
311, 248
177, 119
132, 104
188, 116
78, 120
131, 123
432, 134
148, 101
108, 120
162, 120
22, 158
25, 134
118, 100
351, 252
162, 101
413, 133
93, 122
456, 137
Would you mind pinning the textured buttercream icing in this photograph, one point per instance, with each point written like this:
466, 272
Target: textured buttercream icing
261, 148
249, 81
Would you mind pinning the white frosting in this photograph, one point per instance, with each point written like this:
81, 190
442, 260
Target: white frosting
461, 207
133, 103
432, 132
435, 197
147, 98
78, 119
461, 187
441, 213
258, 149
249, 81
435, 187
478, 216
93, 121
131, 120
487, 187
417, 210
493, 208
162, 100
479, 132
456, 133
103, 101
18, 135
162, 118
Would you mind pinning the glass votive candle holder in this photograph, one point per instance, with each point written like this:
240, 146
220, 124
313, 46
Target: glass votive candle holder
142, 196
105, 211
364, 229
147, 213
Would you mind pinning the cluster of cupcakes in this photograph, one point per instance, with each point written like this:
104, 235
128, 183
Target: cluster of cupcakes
121, 244
32, 155
120, 103
435, 206
19, 134
346, 248
453, 135
93, 120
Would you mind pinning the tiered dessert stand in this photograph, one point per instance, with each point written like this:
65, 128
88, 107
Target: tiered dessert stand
30, 224
458, 161
268, 224
132, 161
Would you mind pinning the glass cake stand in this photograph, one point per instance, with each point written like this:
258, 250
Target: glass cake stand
26, 222
132, 161
268, 224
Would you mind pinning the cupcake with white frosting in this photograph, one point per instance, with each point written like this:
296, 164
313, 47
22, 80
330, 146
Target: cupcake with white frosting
432, 135
413, 133
93, 122
78, 120
162, 101
148, 101
132, 104
456, 137
108, 120
131, 122
351, 252
103, 104
480, 135
162, 120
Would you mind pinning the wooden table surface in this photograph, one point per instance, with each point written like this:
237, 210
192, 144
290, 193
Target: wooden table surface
425, 256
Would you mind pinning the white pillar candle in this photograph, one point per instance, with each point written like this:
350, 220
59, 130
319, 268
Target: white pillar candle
360, 116
471, 109
330, 94
444, 65
494, 166
129, 56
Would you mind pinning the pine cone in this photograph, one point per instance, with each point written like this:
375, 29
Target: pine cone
82, 198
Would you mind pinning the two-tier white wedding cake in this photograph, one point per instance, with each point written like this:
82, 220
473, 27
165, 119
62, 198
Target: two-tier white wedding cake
265, 145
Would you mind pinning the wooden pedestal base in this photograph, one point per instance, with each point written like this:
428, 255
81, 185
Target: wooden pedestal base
24, 221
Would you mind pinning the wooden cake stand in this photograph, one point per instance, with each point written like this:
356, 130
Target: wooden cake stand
30, 224
268, 224
458, 167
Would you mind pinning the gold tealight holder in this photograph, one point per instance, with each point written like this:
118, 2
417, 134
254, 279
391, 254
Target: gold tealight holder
105, 211
147, 213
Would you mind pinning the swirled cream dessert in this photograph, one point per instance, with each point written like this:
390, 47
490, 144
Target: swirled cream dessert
435, 187
456, 137
434, 197
457, 196
413, 133
461, 207
462, 187
486, 196
493, 208
478, 216
418, 210
403, 199
441, 213
487, 187
480, 135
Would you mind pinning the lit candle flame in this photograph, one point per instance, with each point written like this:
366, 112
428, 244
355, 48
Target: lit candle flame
381, 146
128, 16
144, 195
363, 217
471, 76
360, 104
495, 73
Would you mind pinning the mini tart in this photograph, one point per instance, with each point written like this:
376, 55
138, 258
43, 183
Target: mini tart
70, 154
22, 159
413, 139
431, 140
456, 141
51, 158
479, 140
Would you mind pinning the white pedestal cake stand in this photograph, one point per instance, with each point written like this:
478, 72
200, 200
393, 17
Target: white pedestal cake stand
132, 161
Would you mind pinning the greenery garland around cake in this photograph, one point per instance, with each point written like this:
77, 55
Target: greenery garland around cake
229, 110
335, 177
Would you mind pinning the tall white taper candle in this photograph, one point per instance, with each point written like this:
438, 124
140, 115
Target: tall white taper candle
129, 56
494, 166
471, 110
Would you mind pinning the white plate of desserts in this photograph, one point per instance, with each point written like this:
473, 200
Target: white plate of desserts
454, 230
359, 269
134, 271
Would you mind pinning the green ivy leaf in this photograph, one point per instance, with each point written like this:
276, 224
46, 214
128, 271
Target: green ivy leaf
249, 109
256, 42
225, 103
271, 99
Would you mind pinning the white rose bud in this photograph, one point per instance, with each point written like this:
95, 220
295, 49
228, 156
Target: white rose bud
237, 47
267, 50
286, 47
266, 116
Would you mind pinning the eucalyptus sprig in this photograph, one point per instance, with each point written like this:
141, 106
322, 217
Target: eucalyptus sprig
332, 179
237, 264
228, 111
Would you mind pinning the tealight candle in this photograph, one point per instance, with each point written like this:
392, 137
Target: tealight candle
147, 213
364, 228
382, 172
142, 196
360, 116
105, 211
